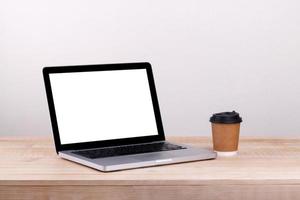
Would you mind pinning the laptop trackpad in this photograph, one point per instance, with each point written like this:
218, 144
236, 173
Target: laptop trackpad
133, 158
153, 156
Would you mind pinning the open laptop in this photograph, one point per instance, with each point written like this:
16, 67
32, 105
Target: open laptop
107, 117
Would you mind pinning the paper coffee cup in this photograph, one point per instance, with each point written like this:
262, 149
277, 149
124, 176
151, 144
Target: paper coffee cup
225, 132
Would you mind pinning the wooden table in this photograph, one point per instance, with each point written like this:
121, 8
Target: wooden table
264, 169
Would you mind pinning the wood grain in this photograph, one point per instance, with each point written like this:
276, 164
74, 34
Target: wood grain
266, 168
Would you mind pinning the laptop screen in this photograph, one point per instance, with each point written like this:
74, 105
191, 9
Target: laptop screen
102, 105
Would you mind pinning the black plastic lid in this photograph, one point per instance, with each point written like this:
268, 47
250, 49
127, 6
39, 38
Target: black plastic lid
226, 118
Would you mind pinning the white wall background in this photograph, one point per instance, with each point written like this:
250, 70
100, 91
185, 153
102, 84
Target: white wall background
208, 56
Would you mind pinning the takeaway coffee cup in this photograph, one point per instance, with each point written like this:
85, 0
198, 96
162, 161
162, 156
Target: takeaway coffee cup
225, 132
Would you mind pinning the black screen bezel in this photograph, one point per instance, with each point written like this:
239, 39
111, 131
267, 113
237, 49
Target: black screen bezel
102, 67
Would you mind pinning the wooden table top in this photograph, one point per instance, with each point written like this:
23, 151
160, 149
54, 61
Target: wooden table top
33, 161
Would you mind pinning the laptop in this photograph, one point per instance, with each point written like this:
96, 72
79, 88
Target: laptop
107, 117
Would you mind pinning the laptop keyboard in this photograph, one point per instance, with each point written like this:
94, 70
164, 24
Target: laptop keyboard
127, 150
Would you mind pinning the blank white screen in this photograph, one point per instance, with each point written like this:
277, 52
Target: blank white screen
102, 105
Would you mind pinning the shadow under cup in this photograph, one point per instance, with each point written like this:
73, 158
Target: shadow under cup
225, 132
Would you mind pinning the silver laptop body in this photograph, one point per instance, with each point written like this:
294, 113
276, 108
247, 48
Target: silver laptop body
110, 107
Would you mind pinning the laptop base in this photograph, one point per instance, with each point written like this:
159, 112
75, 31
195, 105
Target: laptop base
141, 160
